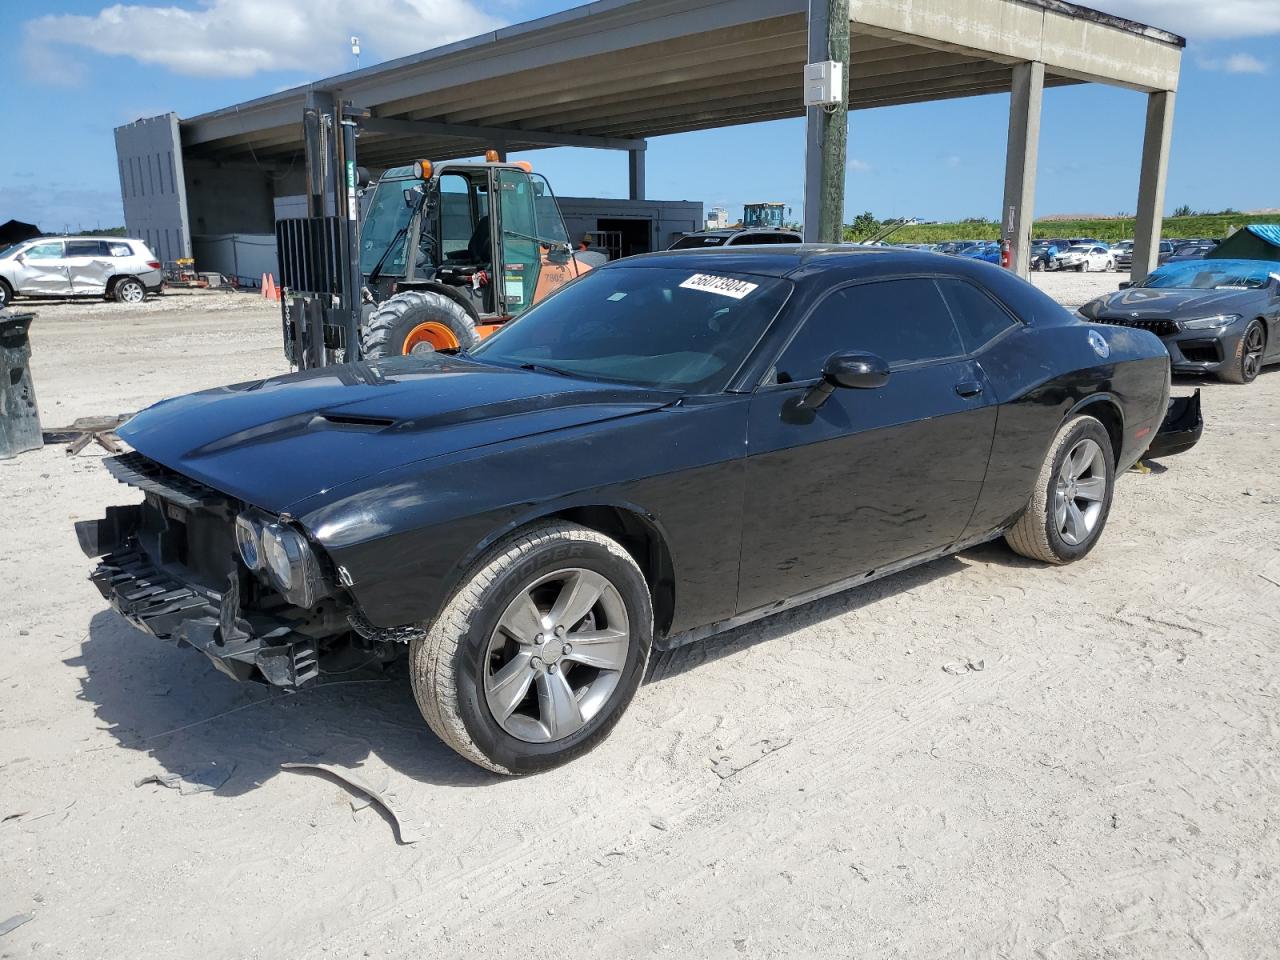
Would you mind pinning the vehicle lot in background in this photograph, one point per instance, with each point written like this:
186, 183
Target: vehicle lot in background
117, 267
1086, 257
1124, 258
1107, 726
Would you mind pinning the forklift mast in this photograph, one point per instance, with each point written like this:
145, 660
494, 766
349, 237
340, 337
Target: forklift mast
318, 254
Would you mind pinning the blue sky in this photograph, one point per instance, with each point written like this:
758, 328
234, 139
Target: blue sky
79, 68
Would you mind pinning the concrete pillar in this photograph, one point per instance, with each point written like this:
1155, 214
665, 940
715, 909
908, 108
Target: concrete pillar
1155, 166
1020, 162
826, 131
635, 173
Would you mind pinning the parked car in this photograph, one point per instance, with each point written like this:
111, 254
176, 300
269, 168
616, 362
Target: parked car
1124, 258
1219, 317
734, 238
1045, 253
1195, 250
1085, 257
117, 267
986, 252
672, 445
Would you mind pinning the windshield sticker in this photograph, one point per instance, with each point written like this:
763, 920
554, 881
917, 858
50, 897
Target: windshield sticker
724, 286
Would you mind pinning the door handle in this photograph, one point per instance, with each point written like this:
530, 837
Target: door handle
969, 388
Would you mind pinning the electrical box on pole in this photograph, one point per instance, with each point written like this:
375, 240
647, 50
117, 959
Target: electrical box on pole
823, 83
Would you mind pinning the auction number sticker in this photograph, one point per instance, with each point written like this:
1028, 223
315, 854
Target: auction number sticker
725, 286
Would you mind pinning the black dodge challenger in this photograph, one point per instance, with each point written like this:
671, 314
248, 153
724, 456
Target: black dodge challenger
670, 446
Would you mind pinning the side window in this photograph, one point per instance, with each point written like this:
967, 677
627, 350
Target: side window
902, 321
84, 248
979, 318
119, 250
45, 251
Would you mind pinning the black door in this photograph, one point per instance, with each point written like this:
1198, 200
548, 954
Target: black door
876, 476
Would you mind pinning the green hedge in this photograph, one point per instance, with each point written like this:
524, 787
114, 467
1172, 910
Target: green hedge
1210, 225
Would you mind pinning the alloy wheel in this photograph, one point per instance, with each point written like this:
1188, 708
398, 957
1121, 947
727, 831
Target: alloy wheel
556, 655
1079, 492
132, 292
1251, 361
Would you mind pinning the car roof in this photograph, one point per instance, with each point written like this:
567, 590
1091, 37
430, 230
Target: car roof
68, 236
781, 260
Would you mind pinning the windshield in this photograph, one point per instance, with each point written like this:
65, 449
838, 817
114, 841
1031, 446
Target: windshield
647, 326
386, 217
9, 251
686, 243
1211, 275
1079, 248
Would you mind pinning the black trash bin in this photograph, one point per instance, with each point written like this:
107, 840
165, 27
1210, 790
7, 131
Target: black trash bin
19, 417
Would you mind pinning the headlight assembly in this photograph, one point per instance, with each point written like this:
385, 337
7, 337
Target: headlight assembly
1211, 323
249, 541
291, 565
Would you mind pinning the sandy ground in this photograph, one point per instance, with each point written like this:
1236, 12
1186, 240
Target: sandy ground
1105, 786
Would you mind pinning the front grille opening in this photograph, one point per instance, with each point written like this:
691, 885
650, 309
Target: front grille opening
1201, 351
1161, 328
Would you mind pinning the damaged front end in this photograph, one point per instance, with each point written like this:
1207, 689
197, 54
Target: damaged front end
182, 566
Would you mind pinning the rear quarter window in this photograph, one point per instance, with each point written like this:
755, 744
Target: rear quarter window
979, 318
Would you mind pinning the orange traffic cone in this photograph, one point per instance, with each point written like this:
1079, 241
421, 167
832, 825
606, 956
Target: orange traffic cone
276, 293
262, 285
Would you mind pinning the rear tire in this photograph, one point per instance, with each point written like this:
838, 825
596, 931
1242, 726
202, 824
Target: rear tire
425, 319
1072, 497
482, 674
129, 290
1250, 350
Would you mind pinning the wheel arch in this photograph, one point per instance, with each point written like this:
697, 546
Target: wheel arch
1106, 409
638, 531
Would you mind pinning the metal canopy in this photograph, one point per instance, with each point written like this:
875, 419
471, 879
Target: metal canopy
613, 73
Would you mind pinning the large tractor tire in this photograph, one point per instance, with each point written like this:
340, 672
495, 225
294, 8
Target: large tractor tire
417, 321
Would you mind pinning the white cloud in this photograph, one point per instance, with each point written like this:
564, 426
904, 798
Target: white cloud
859, 166
238, 38
1235, 63
1243, 63
1201, 19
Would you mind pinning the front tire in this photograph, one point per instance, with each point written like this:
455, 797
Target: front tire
1072, 497
1250, 349
6, 294
129, 290
538, 652
417, 321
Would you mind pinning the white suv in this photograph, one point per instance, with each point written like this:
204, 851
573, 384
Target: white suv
79, 267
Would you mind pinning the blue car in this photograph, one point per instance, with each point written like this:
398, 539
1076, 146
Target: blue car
988, 252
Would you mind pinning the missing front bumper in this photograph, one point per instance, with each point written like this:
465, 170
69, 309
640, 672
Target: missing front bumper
1182, 428
244, 647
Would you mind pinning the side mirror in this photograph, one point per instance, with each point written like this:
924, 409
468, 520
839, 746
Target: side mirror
1125, 284
411, 197
20, 257
856, 371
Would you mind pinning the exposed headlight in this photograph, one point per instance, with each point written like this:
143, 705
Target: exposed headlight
291, 565
1211, 323
249, 541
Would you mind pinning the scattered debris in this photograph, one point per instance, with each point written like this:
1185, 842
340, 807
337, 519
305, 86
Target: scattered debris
202, 780
659, 823
86, 430
14, 922
1274, 583
1115, 821
406, 830
738, 759
957, 667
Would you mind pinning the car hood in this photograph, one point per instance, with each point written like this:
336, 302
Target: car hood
1153, 303
275, 442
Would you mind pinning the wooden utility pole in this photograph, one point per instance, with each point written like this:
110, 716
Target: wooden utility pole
827, 128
